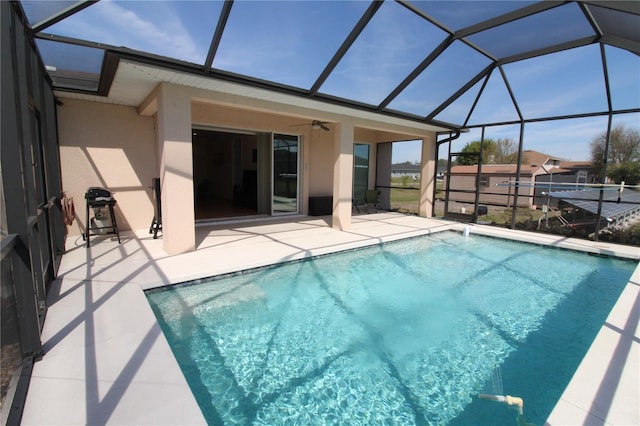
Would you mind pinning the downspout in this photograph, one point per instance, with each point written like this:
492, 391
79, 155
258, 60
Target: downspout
452, 136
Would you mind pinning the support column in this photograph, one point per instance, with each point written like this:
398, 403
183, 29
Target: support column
343, 176
176, 169
428, 164
384, 154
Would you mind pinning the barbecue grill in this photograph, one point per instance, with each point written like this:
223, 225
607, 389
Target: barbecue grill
99, 200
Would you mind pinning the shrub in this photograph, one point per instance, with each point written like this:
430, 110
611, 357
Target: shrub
630, 235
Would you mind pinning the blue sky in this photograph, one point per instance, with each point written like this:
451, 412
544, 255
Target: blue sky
290, 42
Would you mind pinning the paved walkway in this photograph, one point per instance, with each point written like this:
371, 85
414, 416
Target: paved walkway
107, 362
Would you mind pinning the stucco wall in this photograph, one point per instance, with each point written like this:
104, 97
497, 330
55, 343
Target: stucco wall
115, 147
112, 147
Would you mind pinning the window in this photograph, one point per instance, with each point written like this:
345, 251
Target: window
360, 170
285, 174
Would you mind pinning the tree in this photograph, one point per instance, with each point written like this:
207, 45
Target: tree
474, 148
624, 147
499, 151
506, 152
628, 172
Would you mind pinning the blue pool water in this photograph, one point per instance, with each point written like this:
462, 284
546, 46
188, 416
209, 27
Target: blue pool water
402, 333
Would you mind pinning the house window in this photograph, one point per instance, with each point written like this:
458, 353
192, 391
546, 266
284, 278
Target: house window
484, 181
360, 170
581, 177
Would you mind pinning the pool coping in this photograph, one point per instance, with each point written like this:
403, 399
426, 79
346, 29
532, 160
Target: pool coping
106, 358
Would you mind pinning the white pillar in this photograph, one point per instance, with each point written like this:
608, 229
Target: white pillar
428, 165
384, 155
176, 169
343, 176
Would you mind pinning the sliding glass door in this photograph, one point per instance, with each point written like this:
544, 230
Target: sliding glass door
360, 171
286, 167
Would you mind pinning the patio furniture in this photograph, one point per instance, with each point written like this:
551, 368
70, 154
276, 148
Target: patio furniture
320, 205
369, 201
156, 223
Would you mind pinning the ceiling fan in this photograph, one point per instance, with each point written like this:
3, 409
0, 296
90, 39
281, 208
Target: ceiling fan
315, 124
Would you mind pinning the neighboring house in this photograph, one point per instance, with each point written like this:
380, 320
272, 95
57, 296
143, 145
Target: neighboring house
399, 170
497, 182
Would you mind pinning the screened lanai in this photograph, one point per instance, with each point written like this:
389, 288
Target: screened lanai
430, 61
545, 76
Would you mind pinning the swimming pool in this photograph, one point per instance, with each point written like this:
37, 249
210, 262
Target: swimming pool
402, 333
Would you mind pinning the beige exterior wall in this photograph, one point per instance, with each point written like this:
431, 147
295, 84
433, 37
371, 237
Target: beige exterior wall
108, 146
122, 148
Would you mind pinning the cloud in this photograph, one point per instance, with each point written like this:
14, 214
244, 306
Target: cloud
154, 27
383, 55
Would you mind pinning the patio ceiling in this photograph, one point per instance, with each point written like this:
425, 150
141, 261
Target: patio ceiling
445, 63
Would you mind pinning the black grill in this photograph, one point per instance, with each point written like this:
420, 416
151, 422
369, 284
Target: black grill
97, 200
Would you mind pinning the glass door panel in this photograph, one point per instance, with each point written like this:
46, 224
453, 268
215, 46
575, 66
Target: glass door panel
360, 171
285, 174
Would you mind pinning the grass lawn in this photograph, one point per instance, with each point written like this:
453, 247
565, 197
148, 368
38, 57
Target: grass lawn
405, 200
406, 194
405, 197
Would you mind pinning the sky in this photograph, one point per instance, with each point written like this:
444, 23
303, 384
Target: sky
290, 42
566, 139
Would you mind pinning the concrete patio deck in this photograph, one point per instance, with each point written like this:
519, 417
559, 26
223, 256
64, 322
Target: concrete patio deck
107, 362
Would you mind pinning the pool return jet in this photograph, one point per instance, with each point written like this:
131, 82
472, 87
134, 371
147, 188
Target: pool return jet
512, 401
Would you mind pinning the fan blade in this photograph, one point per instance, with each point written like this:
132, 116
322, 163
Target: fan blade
317, 124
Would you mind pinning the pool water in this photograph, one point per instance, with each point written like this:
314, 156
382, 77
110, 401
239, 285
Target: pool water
402, 333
